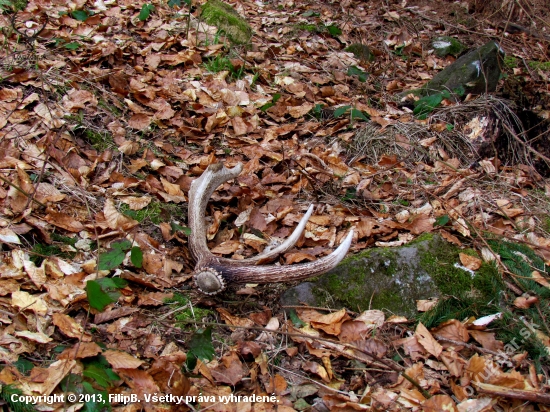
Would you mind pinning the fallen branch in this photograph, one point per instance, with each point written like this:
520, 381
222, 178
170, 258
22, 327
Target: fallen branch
530, 396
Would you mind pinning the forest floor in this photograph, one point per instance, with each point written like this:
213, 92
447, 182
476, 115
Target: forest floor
108, 112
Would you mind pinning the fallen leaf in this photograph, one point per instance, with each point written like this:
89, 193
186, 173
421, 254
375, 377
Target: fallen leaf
426, 339
121, 360
471, 262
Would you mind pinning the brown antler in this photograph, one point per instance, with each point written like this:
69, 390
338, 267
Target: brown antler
212, 273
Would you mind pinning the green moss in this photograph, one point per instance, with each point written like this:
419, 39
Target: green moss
223, 63
99, 141
155, 212
111, 108
185, 311
444, 45
536, 65
64, 239
40, 251
510, 62
226, 18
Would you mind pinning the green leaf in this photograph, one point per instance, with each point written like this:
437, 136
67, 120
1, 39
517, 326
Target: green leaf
145, 11
178, 228
356, 71
23, 365
112, 283
122, 244
95, 406
111, 259
295, 319
341, 110
311, 13
72, 46
103, 376
200, 347
136, 256
334, 30
266, 106
358, 114
103, 292
426, 105
80, 15
460, 91
449, 127
441, 220
173, 3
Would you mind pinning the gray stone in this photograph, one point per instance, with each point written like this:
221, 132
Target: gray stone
392, 279
476, 72
445, 45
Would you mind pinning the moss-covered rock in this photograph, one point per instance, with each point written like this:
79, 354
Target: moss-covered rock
360, 51
445, 45
392, 279
476, 72
225, 17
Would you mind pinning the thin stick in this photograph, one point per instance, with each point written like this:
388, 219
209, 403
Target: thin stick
530, 396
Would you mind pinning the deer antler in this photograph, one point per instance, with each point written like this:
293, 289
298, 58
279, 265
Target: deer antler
212, 273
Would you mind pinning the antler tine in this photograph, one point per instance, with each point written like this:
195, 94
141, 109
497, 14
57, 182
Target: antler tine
270, 254
212, 272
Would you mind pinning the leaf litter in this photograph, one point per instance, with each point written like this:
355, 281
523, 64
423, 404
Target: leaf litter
113, 104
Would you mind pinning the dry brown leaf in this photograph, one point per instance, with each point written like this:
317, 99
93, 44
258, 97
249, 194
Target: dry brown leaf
153, 298
81, 350
38, 337
371, 346
70, 327
470, 262
454, 362
317, 369
140, 381
26, 301
115, 219
227, 247
424, 305
139, 121
231, 370
525, 302
64, 221
411, 347
487, 340
169, 377
55, 374
121, 360
246, 348
234, 320
426, 339
136, 203
352, 330
454, 330
537, 277
450, 237
438, 403
330, 323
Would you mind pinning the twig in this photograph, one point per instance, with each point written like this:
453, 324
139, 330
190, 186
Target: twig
469, 346
2, 178
530, 396
395, 367
311, 380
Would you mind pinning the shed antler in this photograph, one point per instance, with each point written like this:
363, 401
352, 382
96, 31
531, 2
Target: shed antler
212, 273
